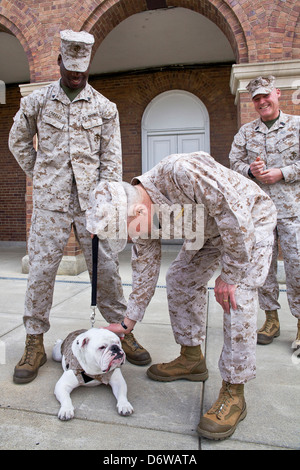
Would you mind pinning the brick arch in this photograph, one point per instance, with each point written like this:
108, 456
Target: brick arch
6, 26
109, 14
292, 31
202, 85
230, 21
208, 83
284, 28
39, 39
296, 42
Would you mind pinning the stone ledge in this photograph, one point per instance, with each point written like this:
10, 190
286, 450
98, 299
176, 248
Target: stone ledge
287, 75
281, 272
27, 88
69, 265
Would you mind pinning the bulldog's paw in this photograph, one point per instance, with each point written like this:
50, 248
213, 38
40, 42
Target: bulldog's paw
66, 413
124, 408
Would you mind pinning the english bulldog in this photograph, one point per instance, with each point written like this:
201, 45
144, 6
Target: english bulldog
90, 357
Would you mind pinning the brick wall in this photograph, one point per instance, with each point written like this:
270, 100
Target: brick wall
133, 92
12, 178
247, 113
257, 31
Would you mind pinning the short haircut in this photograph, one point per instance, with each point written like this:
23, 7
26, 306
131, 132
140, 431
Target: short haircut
133, 196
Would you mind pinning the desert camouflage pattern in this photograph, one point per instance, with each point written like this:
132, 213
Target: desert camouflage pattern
73, 364
76, 140
76, 49
261, 85
187, 300
49, 233
238, 236
288, 232
279, 148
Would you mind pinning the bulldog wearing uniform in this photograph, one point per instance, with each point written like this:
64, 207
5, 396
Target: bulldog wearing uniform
90, 358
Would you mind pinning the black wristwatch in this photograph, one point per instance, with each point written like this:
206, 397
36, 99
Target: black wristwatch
123, 325
251, 174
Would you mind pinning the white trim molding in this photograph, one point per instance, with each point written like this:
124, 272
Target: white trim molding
171, 117
27, 88
287, 74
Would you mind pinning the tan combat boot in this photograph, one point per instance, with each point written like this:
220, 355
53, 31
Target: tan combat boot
270, 329
190, 365
222, 419
296, 343
34, 357
135, 353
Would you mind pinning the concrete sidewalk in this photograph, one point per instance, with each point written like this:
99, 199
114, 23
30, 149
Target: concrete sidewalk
166, 414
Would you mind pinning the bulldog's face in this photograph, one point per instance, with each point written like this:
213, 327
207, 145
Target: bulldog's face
98, 351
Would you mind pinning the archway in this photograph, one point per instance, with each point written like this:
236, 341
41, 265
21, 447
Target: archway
175, 121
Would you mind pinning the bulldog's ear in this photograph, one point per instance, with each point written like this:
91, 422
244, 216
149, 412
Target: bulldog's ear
85, 342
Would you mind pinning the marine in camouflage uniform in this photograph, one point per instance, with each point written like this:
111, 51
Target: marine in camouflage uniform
273, 139
238, 224
79, 144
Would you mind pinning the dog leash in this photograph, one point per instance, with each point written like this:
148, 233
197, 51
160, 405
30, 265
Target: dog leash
95, 244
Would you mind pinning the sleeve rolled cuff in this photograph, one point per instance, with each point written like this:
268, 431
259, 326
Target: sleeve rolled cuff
288, 174
250, 174
134, 313
233, 278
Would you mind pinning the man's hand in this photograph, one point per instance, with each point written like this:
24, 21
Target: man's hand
118, 329
269, 176
224, 294
257, 167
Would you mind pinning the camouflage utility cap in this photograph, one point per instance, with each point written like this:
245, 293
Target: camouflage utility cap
76, 49
106, 216
261, 86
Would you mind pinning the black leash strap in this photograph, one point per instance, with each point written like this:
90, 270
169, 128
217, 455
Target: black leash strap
95, 245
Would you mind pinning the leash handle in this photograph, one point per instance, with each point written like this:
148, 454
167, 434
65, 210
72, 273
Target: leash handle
95, 245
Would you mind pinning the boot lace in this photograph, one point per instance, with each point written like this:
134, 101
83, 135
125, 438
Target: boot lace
268, 325
132, 342
222, 403
28, 356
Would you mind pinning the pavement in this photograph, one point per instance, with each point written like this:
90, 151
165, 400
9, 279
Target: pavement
166, 414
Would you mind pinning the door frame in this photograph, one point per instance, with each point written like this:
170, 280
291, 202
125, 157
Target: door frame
150, 129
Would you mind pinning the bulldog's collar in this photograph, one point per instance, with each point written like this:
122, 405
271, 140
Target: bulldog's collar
87, 378
81, 374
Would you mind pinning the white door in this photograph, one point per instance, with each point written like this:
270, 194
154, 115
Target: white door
174, 122
188, 143
160, 146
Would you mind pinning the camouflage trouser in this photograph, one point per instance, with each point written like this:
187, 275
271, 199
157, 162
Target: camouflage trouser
49, 234
187, 298
288, 233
